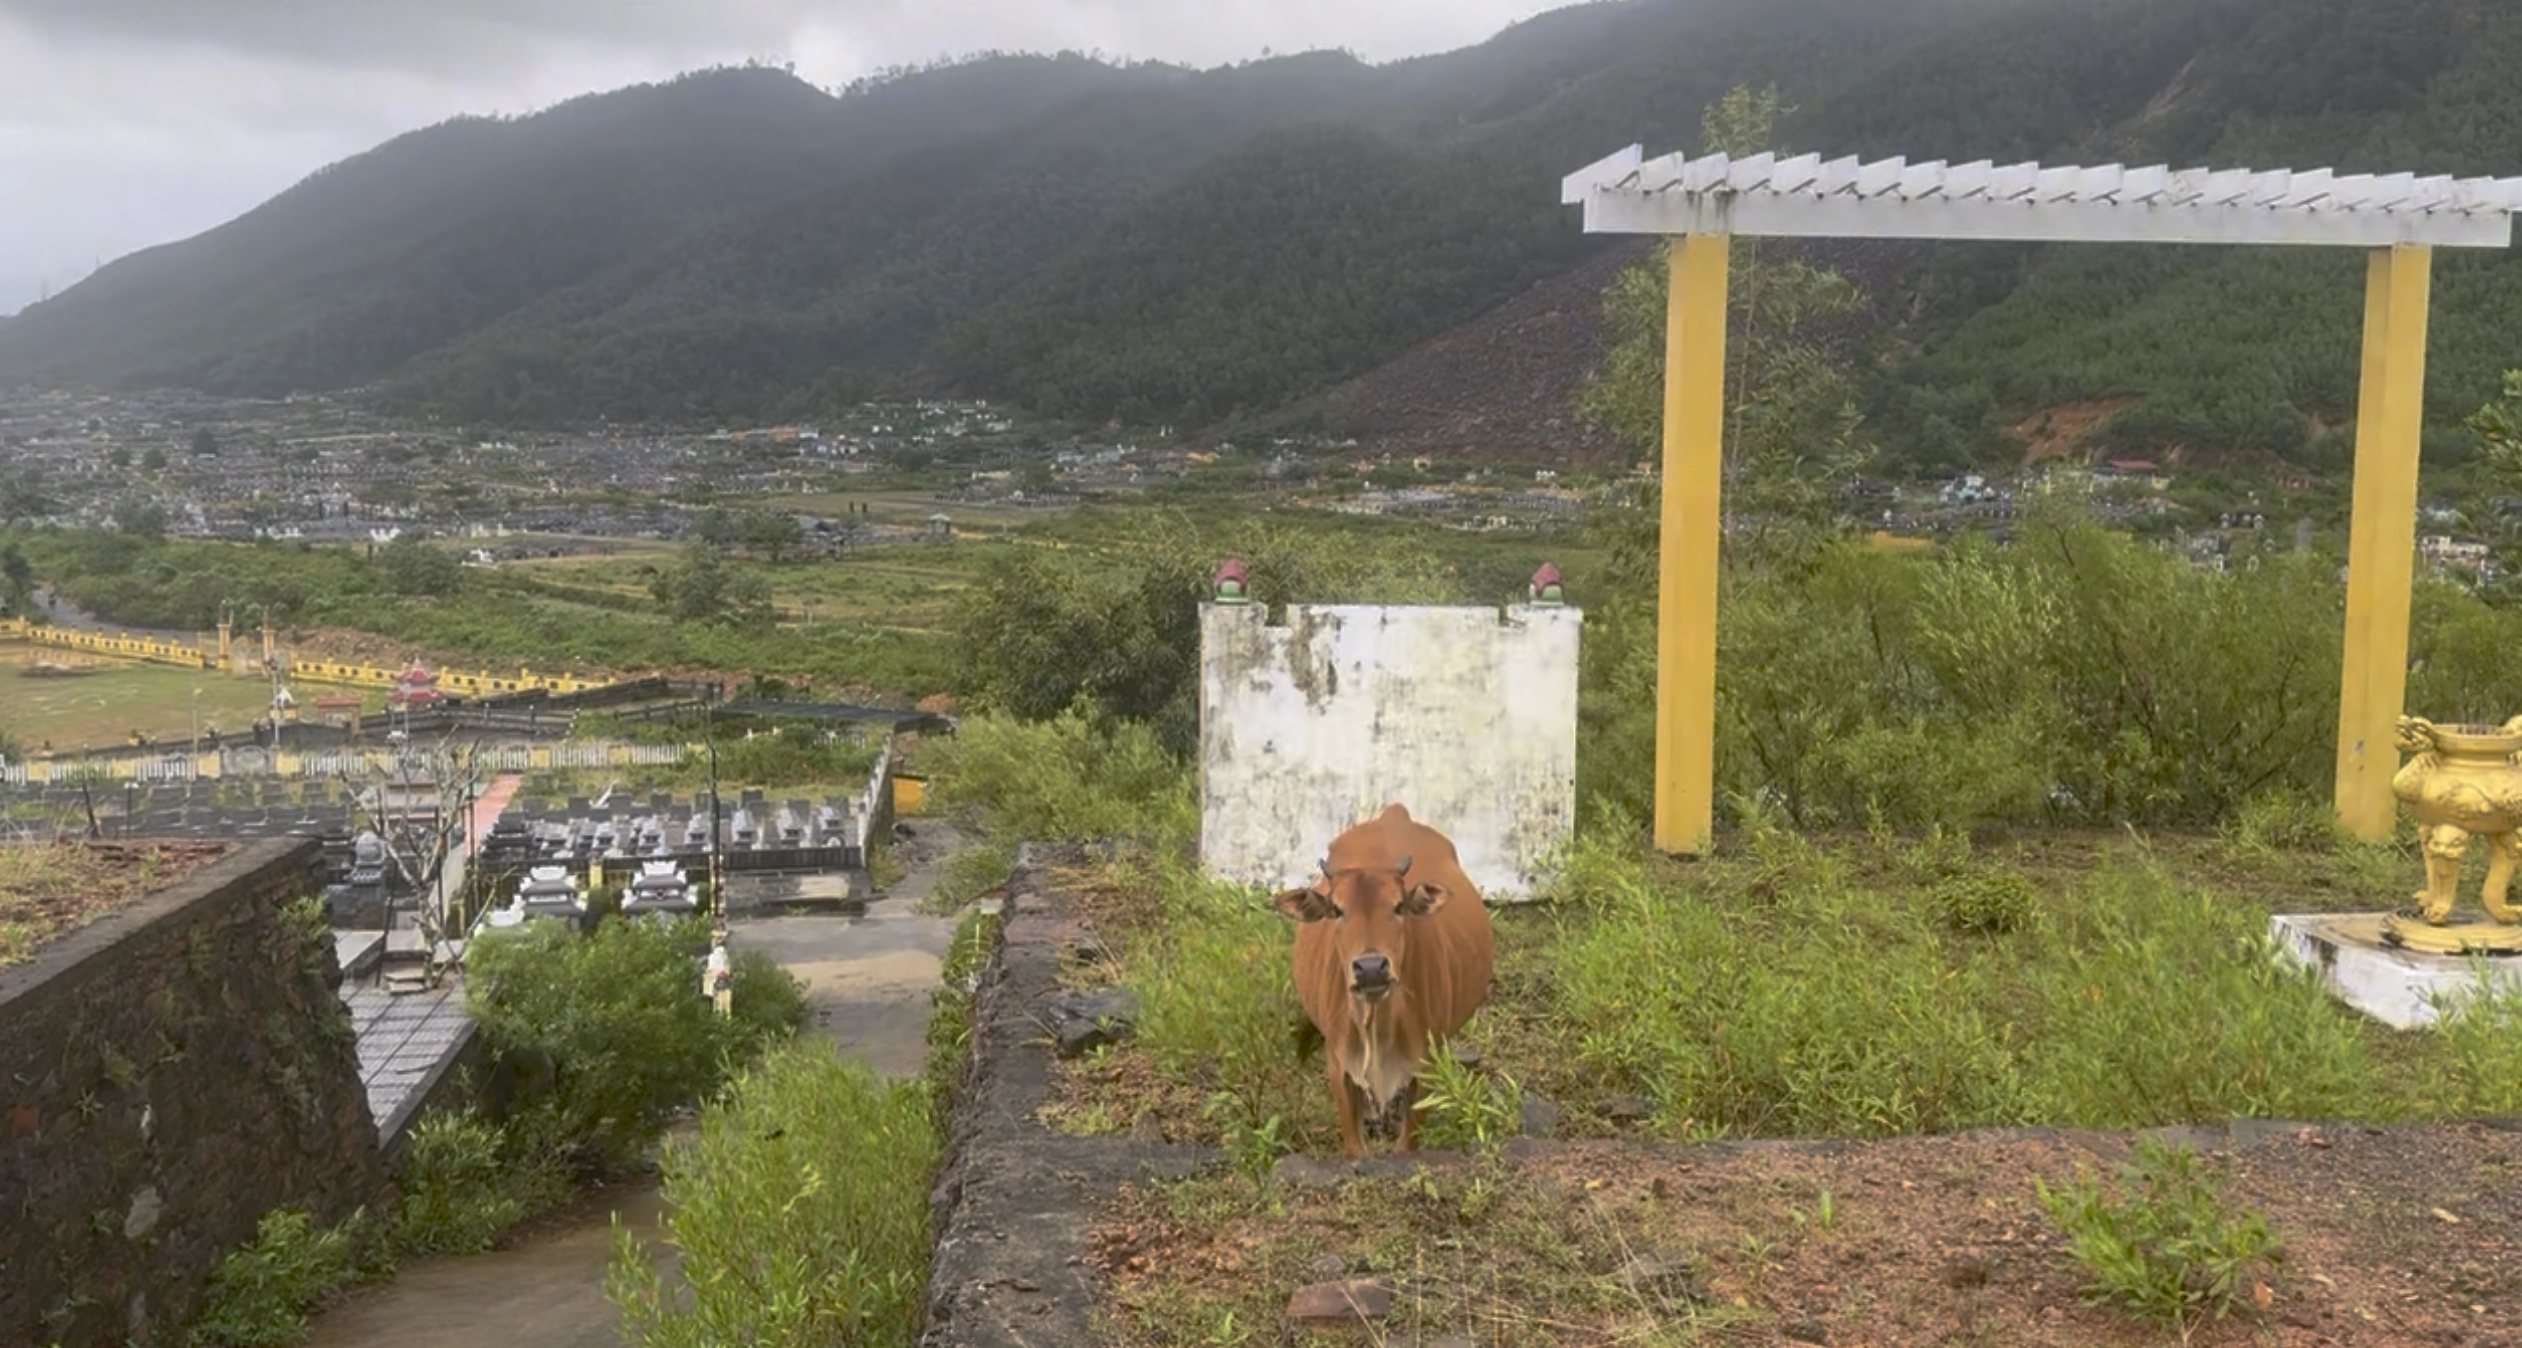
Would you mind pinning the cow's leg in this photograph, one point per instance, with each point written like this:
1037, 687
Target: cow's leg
1409, 1104
1347, 1094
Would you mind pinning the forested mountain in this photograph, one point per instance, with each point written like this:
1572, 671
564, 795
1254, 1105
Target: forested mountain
1166, 245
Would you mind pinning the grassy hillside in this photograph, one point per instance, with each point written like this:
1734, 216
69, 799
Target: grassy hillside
1189, 247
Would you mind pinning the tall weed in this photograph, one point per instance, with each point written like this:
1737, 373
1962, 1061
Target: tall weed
1773, 995
1066, 779
260, 1293
800, 1213
2476, 1070
2166, 1243
460, 1188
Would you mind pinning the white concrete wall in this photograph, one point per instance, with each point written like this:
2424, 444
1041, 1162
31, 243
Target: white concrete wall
1465, 716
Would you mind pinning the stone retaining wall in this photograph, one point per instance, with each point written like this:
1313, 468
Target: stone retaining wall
168, 1074
1014, 1199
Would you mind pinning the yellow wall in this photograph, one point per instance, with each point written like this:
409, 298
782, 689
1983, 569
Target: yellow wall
309, 671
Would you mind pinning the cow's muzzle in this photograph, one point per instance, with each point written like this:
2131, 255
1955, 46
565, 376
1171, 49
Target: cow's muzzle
1370, 977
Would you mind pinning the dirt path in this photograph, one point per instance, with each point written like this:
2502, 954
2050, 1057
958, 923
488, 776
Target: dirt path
867, 979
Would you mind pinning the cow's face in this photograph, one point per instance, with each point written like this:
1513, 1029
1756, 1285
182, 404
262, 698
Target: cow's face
1373, 914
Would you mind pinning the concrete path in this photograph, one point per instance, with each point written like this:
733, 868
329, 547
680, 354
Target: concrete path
867, 978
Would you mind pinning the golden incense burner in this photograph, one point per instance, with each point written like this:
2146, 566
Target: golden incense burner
2464, 781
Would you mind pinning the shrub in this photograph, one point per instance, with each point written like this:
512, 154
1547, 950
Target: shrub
1987, 902
764, 998
791, 755
1809, 1005
260, 1293
2077, 674
460, 1188
2286, 821
799, 1215
620, 1011
2476, 1071
1065, 778
2166, 1245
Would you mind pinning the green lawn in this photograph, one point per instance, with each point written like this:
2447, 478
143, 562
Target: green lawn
105, 707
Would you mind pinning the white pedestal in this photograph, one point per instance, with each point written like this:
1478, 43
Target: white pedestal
2381, 980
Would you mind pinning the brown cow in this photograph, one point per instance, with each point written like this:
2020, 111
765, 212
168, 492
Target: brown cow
1393, 953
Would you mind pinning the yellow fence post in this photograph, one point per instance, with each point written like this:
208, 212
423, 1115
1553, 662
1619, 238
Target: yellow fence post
2382, 536
1693, 480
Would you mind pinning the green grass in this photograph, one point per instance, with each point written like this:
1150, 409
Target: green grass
1848, 987
102, 709
2165, 1242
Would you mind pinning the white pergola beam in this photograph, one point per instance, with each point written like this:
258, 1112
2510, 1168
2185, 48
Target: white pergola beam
1805, 196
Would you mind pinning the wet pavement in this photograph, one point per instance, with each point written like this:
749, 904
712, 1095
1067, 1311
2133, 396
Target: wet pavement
547, 1291
867, 975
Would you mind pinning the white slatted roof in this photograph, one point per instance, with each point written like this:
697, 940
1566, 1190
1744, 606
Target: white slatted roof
1809, 196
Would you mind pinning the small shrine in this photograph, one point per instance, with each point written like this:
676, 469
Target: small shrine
415, 689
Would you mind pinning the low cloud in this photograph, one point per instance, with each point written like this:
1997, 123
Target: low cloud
134, 122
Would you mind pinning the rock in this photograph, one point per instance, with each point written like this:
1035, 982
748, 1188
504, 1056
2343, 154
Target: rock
1030, 903
1329, 1266
1806, 1331
1466, 1055
1304, 1172
1541, 1118
1350, 1302
1628, 1109
1081, 1021
143, 1217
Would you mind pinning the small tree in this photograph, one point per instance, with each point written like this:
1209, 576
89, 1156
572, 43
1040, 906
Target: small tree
137, 516
205, 441
2499, 427
407, 566
17, 582
1791, 425
772, 533
701, 588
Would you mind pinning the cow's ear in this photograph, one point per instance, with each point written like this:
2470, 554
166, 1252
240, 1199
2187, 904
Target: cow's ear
1306, 904
1424, 897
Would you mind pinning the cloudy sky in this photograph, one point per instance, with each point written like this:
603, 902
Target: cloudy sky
125, 123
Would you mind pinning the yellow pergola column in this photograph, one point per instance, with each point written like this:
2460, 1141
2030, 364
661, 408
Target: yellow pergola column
1693, 481
2382, 536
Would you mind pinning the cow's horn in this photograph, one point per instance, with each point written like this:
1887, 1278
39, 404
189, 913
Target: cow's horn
1326, 868
1404, 867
